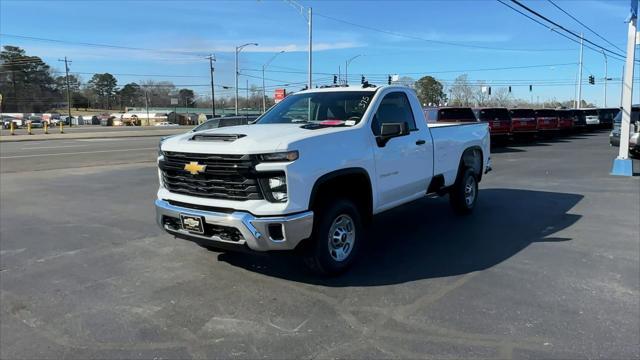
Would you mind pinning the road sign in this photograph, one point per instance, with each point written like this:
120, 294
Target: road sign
174, 101
279, 95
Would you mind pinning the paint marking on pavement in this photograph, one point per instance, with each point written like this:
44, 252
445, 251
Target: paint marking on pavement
52, 147
77, 153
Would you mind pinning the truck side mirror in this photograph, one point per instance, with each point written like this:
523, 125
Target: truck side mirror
391, 130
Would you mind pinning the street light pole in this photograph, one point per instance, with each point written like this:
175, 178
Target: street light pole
264, 93
346, 68
580, 73
212, 59
238, 49
605, 78
310, 23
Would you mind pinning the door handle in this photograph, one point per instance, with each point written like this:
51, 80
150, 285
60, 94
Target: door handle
420, 142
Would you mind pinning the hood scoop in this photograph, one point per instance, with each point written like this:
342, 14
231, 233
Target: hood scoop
217, 137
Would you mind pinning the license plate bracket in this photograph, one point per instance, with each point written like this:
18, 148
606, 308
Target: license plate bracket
192, 224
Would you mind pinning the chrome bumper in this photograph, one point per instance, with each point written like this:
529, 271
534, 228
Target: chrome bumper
255, 231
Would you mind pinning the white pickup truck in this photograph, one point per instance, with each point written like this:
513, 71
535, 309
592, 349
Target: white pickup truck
311, 173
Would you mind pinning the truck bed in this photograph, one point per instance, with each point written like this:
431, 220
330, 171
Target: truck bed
450, 139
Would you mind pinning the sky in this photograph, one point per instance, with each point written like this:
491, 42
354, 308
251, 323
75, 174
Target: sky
409, 38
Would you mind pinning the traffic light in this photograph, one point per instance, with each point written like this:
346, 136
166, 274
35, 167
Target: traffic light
335, 79
489, 90
509, 88
592, 80
362, 79
530, 88
389, 80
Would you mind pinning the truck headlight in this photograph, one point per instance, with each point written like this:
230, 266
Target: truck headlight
274, 187
279, 156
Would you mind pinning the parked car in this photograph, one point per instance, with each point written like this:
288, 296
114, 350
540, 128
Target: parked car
523, 122
579, 120
565, 120
634, 131
7, 120
547, 120
449, 114
606, 116
591, 118
166, 124
36, 123
312, 180
498, 119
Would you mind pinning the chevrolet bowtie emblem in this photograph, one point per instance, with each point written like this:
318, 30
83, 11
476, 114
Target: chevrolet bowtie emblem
194, 168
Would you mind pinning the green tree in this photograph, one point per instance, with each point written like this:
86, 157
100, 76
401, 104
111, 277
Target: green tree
430, 91
131, 94
104, 86
186, 97
26, 83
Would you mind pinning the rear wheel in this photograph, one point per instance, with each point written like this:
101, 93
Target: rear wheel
335, 241
464, 193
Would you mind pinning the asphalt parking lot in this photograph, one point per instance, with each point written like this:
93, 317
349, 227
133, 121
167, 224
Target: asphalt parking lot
548, 266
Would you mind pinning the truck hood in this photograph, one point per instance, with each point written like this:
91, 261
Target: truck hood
243, 139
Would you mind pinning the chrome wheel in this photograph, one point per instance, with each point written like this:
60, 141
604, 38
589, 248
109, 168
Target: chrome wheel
342, 236
470, 188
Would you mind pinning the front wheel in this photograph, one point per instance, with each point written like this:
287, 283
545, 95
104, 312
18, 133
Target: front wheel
336, 238
464, 193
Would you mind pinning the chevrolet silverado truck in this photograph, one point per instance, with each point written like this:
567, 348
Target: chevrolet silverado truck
310, 174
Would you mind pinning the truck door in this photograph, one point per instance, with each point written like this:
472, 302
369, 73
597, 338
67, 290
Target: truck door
404, 165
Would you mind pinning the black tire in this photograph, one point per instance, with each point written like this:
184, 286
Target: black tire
462, 199
320, 256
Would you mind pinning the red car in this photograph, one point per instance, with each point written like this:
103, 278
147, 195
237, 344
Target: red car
523, 121
498, 119
565, 120
547, 120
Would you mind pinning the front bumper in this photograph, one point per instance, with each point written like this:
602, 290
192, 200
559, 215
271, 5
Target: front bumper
256, 233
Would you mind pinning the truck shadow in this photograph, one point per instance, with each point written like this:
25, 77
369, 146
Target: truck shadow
425, 239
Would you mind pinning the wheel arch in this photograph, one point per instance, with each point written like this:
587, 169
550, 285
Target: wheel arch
473, 157
354, 183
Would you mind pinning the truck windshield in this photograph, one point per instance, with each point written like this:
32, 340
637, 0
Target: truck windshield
635, 114
493, 114
546, 113
522, 113
456, 114
336, 108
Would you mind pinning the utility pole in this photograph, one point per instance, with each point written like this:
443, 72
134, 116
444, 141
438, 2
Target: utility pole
146, 105
212, 59
622, 165
246, 112
310, 22
605, 78
66, 67
580, 73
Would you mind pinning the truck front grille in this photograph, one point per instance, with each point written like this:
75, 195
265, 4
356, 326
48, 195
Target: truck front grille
229, 177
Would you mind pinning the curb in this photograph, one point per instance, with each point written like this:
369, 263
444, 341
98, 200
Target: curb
23, 138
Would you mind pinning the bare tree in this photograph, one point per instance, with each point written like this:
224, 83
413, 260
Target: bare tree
461, 92
501, 97
481, 95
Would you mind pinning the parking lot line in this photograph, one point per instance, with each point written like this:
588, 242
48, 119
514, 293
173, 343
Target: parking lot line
76, 153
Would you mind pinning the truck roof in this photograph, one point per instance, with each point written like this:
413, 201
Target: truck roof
370, 88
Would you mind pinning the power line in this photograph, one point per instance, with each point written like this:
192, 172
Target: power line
414, 37
585, 26
189, 53
563, 28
